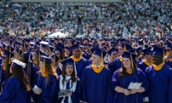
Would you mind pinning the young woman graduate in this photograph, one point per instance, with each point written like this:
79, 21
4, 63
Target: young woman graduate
96, 80
54, 64
127, 74
5, 66
159, 76
14, 89
46, 87
69, 81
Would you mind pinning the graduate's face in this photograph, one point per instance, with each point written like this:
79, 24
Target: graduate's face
157, 59
95, 59
148, 56
120, 50
126, 62
114, 55
77, 53
69, 69
57, 53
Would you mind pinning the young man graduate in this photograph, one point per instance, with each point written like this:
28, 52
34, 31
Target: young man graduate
80, 62
96, 80
159, 76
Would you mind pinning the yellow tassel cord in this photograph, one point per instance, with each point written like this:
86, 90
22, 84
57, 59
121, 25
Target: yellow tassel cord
44, 72
125, 47
121, 59
147, 63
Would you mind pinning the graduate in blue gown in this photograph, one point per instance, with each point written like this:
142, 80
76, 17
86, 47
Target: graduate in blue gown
147, 61
96, 80
14, 89
124, 76
46, 87
159, 76
168, 57
5, 66
113, 53
54, 64
118, 61
69, 81
80, 62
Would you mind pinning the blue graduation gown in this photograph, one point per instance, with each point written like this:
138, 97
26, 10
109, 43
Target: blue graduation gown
58, 71
169, 63
2, 76
75, 95
80, 66
110, 67
137, 76
49, 89
142, 66
116, 64
95, 85
160, 84
13, 92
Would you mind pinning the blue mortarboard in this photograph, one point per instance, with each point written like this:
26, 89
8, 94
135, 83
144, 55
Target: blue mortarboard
68, 61
158, 51
147, 51
99, 52
139, 49
75, 47
32, 44
126, 46
112, 50
54, 57
59, 50
18, 64
129, 55
44, 44
45, 59
66, 47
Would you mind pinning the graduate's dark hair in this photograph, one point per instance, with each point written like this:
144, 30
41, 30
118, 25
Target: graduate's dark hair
21, 76
73, 75
122, 71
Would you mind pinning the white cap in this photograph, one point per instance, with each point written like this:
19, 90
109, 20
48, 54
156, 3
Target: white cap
20, 63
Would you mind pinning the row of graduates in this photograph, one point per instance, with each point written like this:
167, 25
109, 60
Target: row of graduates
97, 86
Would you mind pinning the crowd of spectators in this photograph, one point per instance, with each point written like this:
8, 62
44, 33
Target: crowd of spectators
130, 18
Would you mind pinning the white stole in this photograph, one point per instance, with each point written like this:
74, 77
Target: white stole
64, 87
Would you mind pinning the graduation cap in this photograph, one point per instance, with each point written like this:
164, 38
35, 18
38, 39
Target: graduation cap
99, 52
46, 59
68, 61
130, 56
74, 47
147, 51
8, 55
158, 51
18, 64
112, 50
126, 46
44, 44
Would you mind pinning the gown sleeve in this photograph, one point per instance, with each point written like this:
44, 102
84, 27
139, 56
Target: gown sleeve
144, 80
9, 90
170, 87
77, 93
115, 81
52, 90
84, 86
